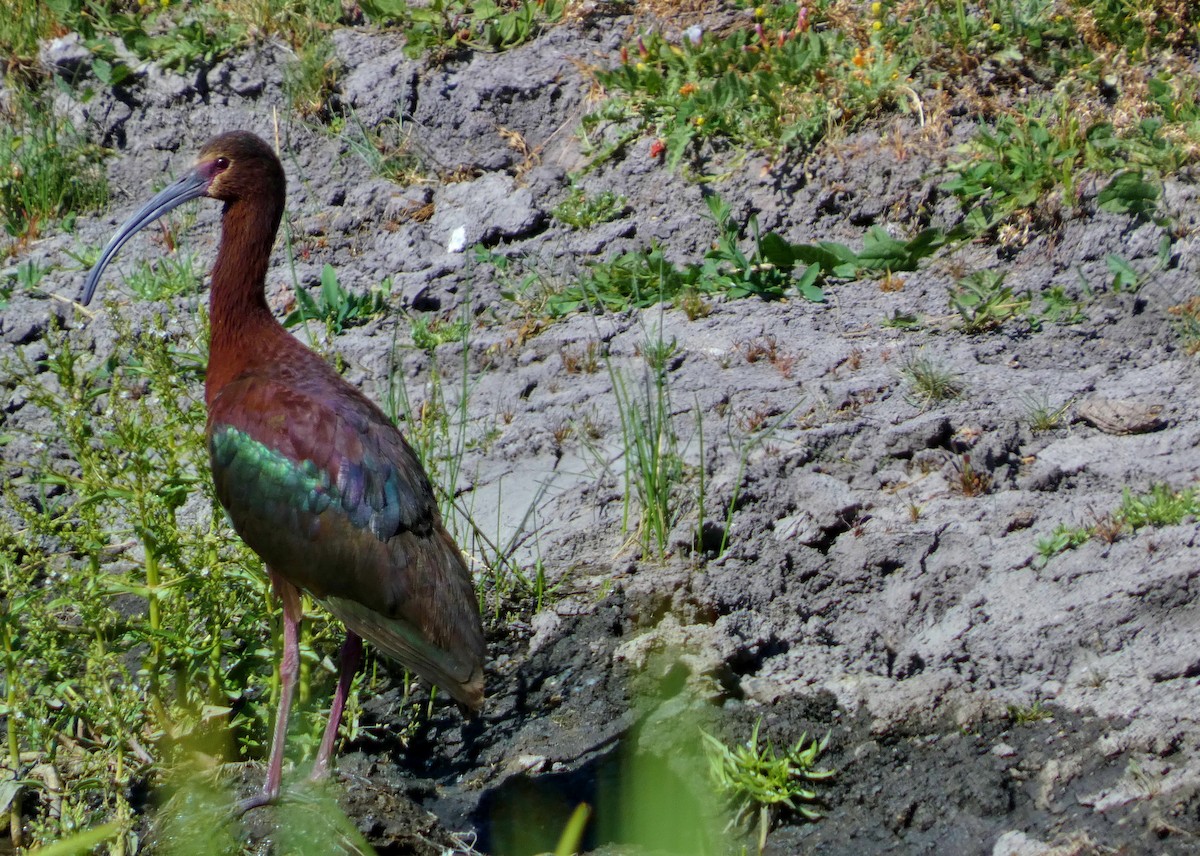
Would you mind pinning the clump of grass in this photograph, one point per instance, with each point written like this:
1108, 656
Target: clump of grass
1185, 317
48, 171
758, 780
654, 467
1044, 416
1029, 714
930, 383
165, 277
310, 80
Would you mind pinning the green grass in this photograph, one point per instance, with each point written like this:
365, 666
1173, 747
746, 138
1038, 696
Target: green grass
653, 470
929, 382
772, 269
1044, 416
1161, 505
1029, 714
48, 172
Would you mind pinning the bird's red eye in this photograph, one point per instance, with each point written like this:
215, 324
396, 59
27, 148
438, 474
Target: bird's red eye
221, 164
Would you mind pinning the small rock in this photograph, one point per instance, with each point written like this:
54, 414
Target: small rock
1114, 416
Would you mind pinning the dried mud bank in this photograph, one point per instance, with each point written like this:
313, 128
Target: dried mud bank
881, 579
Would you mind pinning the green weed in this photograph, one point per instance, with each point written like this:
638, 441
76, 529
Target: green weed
1143, 26
774, 268
1161, 505
336, 306
443, 27
1033, 161
984, 302
582, 211
428, 333
1063, 538
777, 83
165, 277
758, 780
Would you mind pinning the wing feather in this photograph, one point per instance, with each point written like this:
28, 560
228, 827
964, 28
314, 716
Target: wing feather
325, 489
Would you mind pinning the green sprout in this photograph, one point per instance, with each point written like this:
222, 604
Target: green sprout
754, 777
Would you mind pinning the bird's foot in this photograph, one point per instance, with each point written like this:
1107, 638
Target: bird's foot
257, 801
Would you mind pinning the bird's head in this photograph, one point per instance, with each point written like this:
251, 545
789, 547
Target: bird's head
231, 167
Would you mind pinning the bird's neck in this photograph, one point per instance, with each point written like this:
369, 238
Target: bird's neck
243, 329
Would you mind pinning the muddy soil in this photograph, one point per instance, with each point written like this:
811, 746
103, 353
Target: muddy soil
880, 582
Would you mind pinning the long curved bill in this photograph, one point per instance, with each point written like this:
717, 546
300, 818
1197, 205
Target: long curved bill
191, 185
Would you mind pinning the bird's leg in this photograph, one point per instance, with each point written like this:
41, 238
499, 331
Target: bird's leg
289, 671
351, 659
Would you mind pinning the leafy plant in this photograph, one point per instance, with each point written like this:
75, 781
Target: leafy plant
335, 305
428, 333
167, 276
758, 780
1063, 538
777, 82
443, 27
984, 302
1161, 505
583, 211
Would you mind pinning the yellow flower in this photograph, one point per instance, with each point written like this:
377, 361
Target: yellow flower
760, 12
878, 25
877, 9
699, 121
641, 66
996, 27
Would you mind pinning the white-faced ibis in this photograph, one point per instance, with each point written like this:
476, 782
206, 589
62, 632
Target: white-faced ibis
315, 478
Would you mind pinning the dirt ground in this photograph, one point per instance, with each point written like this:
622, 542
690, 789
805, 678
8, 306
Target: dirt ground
864, 592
